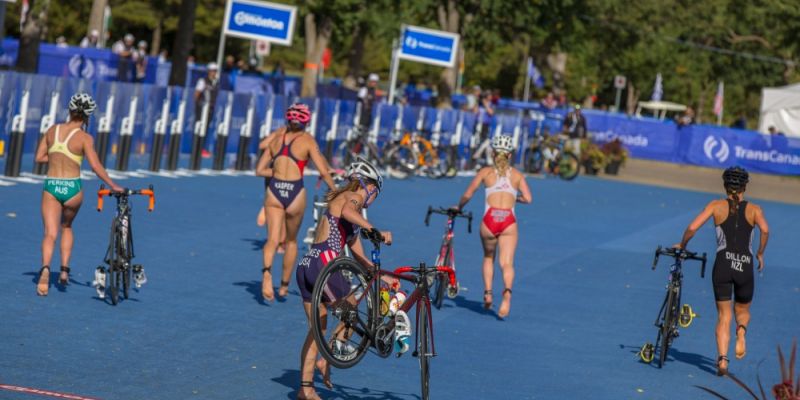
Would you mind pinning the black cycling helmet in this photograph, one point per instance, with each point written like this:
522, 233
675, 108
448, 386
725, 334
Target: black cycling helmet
735, 178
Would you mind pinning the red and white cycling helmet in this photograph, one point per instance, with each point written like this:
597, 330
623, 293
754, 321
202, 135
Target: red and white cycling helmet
298, 112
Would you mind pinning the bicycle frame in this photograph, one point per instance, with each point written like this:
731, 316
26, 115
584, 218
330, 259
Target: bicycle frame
419, 295
671, 314
445, 256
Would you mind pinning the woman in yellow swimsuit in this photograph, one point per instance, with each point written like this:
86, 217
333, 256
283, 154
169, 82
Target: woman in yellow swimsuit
63, 149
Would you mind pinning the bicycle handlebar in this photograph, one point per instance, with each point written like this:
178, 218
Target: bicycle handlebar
125, 193
419, 270
374, 236
451, 213
682, 254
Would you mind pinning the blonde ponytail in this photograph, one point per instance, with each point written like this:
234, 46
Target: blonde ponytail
501, 162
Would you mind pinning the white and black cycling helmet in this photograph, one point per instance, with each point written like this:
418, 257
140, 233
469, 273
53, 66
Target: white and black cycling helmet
361, 168
82, 103
503, 143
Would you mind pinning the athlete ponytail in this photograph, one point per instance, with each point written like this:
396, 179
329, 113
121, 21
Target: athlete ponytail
351, 186
501, 161
733, 200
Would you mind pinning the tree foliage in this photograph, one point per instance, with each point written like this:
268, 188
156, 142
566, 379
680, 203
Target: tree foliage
694, 45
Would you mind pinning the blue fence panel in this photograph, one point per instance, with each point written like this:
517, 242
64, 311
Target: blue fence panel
723, 147
651, 139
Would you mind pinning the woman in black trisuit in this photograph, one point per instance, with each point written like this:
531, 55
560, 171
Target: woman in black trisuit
733, 274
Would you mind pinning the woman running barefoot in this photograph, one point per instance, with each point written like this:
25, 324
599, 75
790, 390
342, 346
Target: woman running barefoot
339, 226
504, 186
286, 154
261, 219
63, 149
733, 273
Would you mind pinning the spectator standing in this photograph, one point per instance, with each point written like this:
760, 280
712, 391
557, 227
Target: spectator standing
495, 97
277, 77
774, 131
205, 92
125, 50
484, 112
740, 123
61, 42
550, 102
140, 61
575, 128
91, 41
687, 118
368, 96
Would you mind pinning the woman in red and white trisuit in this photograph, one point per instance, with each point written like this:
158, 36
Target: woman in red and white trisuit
504, 187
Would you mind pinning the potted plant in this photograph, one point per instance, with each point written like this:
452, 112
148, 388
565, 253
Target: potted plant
616, 154
592, 158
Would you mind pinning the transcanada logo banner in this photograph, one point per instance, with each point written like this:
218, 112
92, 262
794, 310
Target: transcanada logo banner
772, 156
242, 18
716, 149
628, 140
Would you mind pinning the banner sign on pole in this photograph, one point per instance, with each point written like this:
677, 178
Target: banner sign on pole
620, 81
260, 20
428, 46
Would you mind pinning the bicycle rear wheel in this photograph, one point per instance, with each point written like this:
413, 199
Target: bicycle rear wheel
424, 372
401, 160
666, 327
568, 166
533, 161
343, 290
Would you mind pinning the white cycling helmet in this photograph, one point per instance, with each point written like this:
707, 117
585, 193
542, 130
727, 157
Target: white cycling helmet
82, 103
364, 169
503, 143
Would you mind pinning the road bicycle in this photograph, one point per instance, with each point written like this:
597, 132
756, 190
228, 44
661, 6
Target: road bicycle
357, 145
562, 163
117, 277
439, 285
359, 322
414, 154
672, 314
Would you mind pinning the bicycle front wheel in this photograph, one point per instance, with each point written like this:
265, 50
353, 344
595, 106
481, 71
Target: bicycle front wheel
438, 282
568, 166
343, 295
424, 372
667, 326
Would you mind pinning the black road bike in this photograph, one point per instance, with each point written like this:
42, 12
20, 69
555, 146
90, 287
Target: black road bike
358, 145
120, 253
672, 314
446, 256
357, 323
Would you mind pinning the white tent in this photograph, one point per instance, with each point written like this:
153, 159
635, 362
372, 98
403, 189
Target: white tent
659, 108
780, 107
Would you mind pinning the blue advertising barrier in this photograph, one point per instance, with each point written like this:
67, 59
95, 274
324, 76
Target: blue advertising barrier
77, 62
724, 147
647, 138
703, 145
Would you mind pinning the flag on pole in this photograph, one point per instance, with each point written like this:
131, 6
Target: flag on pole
107, 21
719, 99
534, 74
23, 10
719, 102
658, 89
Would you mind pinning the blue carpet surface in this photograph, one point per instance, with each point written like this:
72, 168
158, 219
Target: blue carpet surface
584, 299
